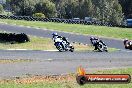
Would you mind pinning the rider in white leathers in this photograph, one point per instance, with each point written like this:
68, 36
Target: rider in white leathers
56, 38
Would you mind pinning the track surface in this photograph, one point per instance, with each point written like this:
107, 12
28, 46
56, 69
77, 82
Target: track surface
47, 33
53, 62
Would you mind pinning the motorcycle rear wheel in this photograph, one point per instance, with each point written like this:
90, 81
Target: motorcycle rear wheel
100, 47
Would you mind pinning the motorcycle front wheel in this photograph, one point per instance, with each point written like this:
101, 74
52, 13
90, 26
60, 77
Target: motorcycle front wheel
100, 47
60, 48
72, 49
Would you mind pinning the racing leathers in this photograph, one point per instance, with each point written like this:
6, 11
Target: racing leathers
95, 42
128, 44
61, 39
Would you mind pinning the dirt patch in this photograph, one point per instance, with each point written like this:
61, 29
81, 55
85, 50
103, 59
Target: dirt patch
82, 47
5, 61
40, 79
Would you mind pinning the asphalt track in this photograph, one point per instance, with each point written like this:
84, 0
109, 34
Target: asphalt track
47, 33
54, 62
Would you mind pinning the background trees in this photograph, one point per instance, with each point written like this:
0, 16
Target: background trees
108, 10
1, 9
29, 7
46, 7
126, 7
22, 7
104, 10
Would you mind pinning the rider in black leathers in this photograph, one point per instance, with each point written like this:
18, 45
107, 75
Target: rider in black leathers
95, 42
128, 44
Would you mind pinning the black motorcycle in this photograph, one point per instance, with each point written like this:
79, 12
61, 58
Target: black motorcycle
128, 44
99, 45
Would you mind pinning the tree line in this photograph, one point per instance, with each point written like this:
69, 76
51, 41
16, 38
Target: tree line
126, 7
104, 10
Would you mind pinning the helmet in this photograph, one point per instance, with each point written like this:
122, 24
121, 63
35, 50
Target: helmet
54, 34
125, 40
91, 38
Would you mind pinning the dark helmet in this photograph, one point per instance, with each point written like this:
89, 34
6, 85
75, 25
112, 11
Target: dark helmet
91, 38
54, 34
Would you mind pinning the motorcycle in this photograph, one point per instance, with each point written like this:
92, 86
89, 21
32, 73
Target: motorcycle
100, 45
62, 46
128, 44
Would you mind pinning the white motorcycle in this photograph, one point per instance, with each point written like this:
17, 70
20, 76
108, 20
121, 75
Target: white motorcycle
62, 45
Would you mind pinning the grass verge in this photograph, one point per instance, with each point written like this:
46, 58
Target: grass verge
5, 61
67, 81
37, 43
113, 32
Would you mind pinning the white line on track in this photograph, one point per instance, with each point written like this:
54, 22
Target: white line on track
26, 50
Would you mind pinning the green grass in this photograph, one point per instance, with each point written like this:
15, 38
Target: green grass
36, 43
34, 85
65, 83
116, 71
113, 32
5, 61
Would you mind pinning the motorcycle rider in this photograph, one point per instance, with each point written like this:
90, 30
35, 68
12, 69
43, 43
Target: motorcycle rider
56, 36
128, 43
95, 42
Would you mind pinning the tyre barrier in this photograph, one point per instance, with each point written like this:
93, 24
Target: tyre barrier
60, 20
12, 37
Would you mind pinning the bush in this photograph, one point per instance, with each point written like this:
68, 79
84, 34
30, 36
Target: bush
12, 37
39, 15
1, 9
